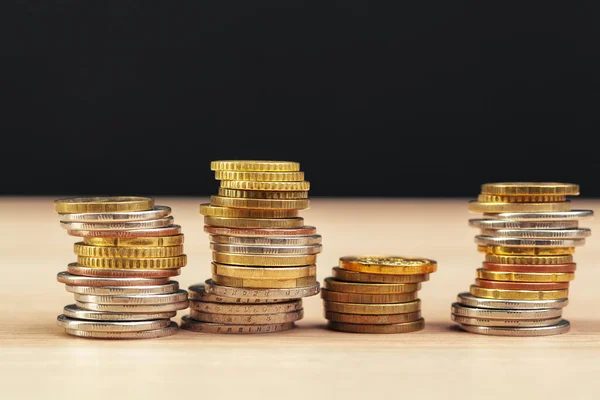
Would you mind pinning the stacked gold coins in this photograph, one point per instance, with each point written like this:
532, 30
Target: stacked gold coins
264, 256
121, 280
376, 294
528, 234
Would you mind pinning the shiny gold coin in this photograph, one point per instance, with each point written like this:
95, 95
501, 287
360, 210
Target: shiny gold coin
254, 165
289, 176
209, 210
493, 198
352, 276
405, 327
76, 205
259, 194
370, 288
133, 308
530, 188
266, 186
253, 309
190, 324
269, 204
328, 295
255, 260
519, 294
254, 222
266, 250
234, 271
110, 326
82, 249
264, 283
147, 334
476, 206
373, 309
529, 260
248, 319
372, 319
525, 251
393, 265
524, 276
133, 263
159, 241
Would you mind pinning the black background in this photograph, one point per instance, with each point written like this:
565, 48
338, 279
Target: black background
372, 98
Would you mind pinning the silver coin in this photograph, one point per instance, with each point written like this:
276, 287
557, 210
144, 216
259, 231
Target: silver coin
562, 327
579, 233
247, 319
467, 299
110, 326
487, 313
267, 240
252, 293
522, 323
272, 250
176, 297
133, 308
542, 216
514, 224
246, 309
111, 217
79, 280
74, 311
167, 288
198, 292
517, 242
148, 334
190, 324
118, 226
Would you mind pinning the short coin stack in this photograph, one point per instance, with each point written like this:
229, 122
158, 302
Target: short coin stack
264, 257
528, 235
376, 294
120, 281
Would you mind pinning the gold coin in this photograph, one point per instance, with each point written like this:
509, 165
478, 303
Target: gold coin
190, 324
263, 273
529, 260
476, 206
222, 308
328, 295
525, 251
372, 319
266, 186
75, 269
370, 288
519, 294
224, 222
373, 309
393, 265
247, 319
158, 241
352, 276
260, 194
264, 283
110, 326
75, 205
494, 198
148, 334
209, 210
524, 276
268, 204
134, 263
254, 165
133, 308
287, 176
82, 249
266, 250
530, 188
405, 327
307, 240
255, 260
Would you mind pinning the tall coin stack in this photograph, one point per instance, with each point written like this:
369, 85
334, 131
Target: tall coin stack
120, 281
528, 234
376, 294
264, 257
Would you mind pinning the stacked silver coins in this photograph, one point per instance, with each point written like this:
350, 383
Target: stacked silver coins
528, 234
264, 256
130, 249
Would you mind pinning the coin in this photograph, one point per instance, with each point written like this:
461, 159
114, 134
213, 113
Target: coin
469, 300
551, 269
175, 240
292, 232
260, 194
519, 294
137, 233
405, 327
562, 327
486, 313
542, 198
524, 276
106, 217
291, 176
74, 311
133, 263
221, 308
169, 298
249, 319
85, 250
539, 233
529, 260
370, 288
266, 186
133, 308
255, 260
254, 165
76, 205
308, 240
234, 202
522, 323
291, 293
516, 224
476, 206
75, 269
526, 251
263, 273
267, 283
372, 319
543, 216
328, 295
149, 334
265, 250
209, 210
522, 242
521, 285
77, 280
255, 222
393, 265
117, 226
352, 276
170, 287
207, 327
530, 188
110, 326
373, 309
198, 292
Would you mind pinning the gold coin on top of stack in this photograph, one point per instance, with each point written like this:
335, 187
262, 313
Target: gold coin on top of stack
120, 281
528, 235
376, 294
262, 251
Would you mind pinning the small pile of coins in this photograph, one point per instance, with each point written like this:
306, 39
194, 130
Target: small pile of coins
376, 294
263, 256
528, 235
120, 281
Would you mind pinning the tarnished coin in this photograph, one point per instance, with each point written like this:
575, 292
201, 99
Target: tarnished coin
373, 309
369, 288
522, 323
209, 210
364, 277
543, 216
405, 327
477, 206
579, 233
503, 285
562, 327
266, 250
262, 232
372, 319
189, 324
107, 217
534, 277
530, 188
110, 326
308, 240
236, 271
493, 224
171, 230
487, 313
264, 283
170, 298
198, 292
270, 223
148, 334
329, 295
519, 294
170, 287
525, 268
264, 260
248, 319
386, 264
118, 226
222, 308
469, 300
515, 242
157, 241
78, 205
292, 293
77, 280
85, 250
74, 311
133, 308
75, 269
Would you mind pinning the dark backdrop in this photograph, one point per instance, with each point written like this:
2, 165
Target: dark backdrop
380, 98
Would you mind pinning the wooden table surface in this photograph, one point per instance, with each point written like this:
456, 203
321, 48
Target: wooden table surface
37, 359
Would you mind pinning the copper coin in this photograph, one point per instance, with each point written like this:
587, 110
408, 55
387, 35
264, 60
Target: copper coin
166, 231
303, 231
98, 281
521, 285
75, 269
529, 268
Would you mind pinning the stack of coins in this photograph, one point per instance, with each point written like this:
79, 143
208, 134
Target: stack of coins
376, 294
264, 257
528, 234
120, 281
